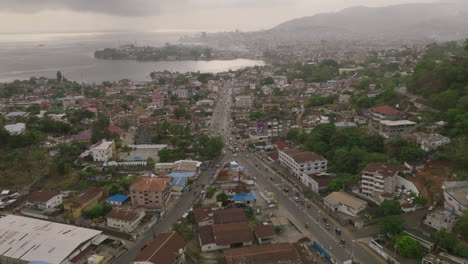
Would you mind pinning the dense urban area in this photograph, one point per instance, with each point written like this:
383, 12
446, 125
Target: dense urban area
323, 155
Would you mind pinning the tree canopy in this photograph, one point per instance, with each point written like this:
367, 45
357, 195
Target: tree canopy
408, 247
390, 226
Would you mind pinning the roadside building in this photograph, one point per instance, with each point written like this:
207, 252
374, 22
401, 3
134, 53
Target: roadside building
222, 236
83, 201
203, 216
441, 220
379, 178
393, 129
151, 193
44, 200
125, 219
181, 93
103, 151
265, 234
166, 248
455, 196
344, 203
299, 162
229, 215
265, 254
318, 182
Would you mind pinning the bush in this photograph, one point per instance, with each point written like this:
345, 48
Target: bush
408, 247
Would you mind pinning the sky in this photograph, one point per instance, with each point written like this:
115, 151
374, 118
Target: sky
36, 16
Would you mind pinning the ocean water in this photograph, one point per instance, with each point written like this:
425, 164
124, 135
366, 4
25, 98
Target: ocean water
25, 55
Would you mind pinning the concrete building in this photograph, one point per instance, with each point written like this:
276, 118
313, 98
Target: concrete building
275, 125
44, 200
222, 236
299, 162
83, 201
244, 101
16, 129
27, 239
181, 93
103, 151
166, 248
456, 196
430, 142
388, 122
317, 182
265, 234
267, 254
441, 220
151, 193
344, 203
379, 178
393, 129
125, 219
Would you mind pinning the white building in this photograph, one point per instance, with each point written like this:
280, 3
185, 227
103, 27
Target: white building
300, 162
44, 200
103, 151
16, 129
181, 93
429, 142
379, 178
456, 196
344, 203
441, 220
125, 219
244, 101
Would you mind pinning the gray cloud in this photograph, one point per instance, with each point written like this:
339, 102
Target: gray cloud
111, 7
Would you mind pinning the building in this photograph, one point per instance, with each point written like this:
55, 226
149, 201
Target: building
151, 193
16, 115
117, 199
265, 234
125, 219
27, 239
44, 200
389, 122
244, 101
299, 162
203, 216
379, 178
166, 248
188, 166
344, 203
83, 201
441, 220
430, 142
275, 125
317, 182
15, 129
393, 129
181, 93
103, 151
265, 254
456, 196
222, 236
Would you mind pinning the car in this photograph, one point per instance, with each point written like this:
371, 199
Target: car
296, 199
285, 189
304, 239
431, 208
235, 155
327, 226
338, 231
247, 156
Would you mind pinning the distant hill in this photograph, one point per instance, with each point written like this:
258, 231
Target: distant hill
432, 21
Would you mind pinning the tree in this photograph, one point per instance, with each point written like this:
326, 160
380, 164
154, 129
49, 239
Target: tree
222, 197
98, 210
390, 207
445, 239
408, 247
59, 76
256, 115
462, 224
170, 155
403, 150
179, 112
267, 81
390, 226
210, 192
100, 129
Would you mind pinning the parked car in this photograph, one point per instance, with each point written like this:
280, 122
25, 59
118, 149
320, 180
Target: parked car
338, 231
304, 239
296, 199
285, 189
327, 226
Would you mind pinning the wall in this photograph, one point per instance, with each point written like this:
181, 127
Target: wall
408, 185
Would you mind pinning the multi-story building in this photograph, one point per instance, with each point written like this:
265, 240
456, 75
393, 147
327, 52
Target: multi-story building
389, 122
103, 151
379, 178
151, 193
299, 162
83, 201
181, 93
44, 200
393, 129
429, 142
244, 101
275, 125
441, 220
125, 219
456, 196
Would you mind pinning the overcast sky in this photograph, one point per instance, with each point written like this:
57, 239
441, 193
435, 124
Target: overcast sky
163, 15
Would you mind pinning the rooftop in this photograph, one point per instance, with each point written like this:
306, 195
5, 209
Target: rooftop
31, 239
384, 169
233, 233
273, 253
458, 190
151, 184
230, 215
117, 198
41, 196
397, 122
162, 249
128, 214
307, 156
264, 231
386, 110
346, 199
85, 196
103, 145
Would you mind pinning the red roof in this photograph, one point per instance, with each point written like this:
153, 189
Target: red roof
386, 110
115, 130
281, 145
157, 96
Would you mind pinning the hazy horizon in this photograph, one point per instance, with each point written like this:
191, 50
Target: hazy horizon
84, 16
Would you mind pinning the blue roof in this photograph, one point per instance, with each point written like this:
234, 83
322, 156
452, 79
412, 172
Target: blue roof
181, 174
447, 212
245, 197
179, 181
117, 198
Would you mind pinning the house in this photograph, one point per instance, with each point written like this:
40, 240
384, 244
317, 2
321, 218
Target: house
187, 166
344, 203
317, 182
181, 93
203, 216
455, 196
247, 199
83, 136
15, 129
244, 101
265, 234
379, 178
178, 184
229, 215
103, 151
44, 200
300, 162
151, 193
83, 201
441, 220
430, 142
344, 98
389, 122
125, 219
16, 115
265, 254
222, 236
166, 248
117, 199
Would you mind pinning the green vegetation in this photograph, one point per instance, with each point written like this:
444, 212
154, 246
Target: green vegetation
256, 115
390, 207
390, 226
321, 100
326, 70
49, 126
171, 155
210, 192
184, 229
450, 242
222, 197
408, 247
98, 210
462, 224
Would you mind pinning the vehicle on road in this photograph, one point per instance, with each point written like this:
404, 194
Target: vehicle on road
338, 231
285, 189
296, 199
327, 226
304, 239
235, 155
